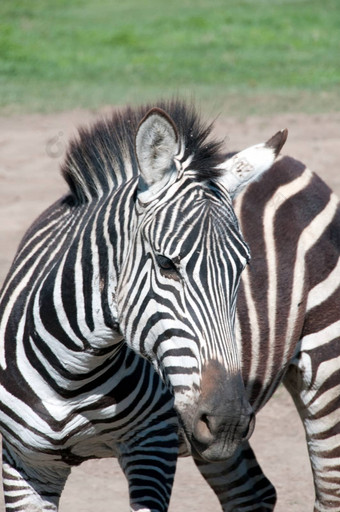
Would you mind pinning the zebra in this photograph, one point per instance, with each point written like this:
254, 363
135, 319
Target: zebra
117, 316
288, 328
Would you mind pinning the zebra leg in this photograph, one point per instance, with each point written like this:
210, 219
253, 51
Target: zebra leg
28, 489
314, 385
239, 482
149, 466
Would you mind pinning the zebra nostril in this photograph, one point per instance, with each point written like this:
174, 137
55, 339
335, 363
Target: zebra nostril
202, 430
211, 428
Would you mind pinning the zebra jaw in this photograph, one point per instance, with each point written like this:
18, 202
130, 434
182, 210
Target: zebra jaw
248, 165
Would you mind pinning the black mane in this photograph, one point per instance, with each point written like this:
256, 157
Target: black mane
103, 156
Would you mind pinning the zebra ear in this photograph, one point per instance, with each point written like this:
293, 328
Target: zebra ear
156, 146
248, 165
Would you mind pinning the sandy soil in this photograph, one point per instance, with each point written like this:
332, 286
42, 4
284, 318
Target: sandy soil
31, 150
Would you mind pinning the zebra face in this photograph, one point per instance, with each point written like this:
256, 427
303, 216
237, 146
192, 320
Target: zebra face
182, 296
177, 292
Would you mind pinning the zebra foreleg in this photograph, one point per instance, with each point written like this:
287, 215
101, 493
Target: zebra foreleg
239, 482
28, 489
149, 467
314, 387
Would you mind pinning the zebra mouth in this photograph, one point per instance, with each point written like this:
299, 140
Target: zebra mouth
213, 452
208, 443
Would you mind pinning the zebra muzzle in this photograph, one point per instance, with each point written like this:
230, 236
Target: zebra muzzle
223, 418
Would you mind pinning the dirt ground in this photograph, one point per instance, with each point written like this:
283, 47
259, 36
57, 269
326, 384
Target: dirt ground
31, 150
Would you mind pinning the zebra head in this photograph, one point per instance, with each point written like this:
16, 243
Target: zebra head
177, 292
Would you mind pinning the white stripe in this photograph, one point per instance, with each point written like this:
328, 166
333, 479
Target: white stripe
322, 337
323, 290
254, 331
326, 398
59, 305
281, 195
308, 238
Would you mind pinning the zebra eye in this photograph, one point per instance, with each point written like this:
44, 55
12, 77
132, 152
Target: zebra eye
168, 268
165, 263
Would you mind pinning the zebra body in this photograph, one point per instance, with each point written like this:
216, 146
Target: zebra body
288, 327
101, 400
94, 396
142, 258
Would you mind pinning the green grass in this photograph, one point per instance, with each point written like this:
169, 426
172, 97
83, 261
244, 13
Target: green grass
253, 55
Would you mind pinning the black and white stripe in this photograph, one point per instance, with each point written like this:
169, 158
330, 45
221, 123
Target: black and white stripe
127, 265
288, 327
124, 266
